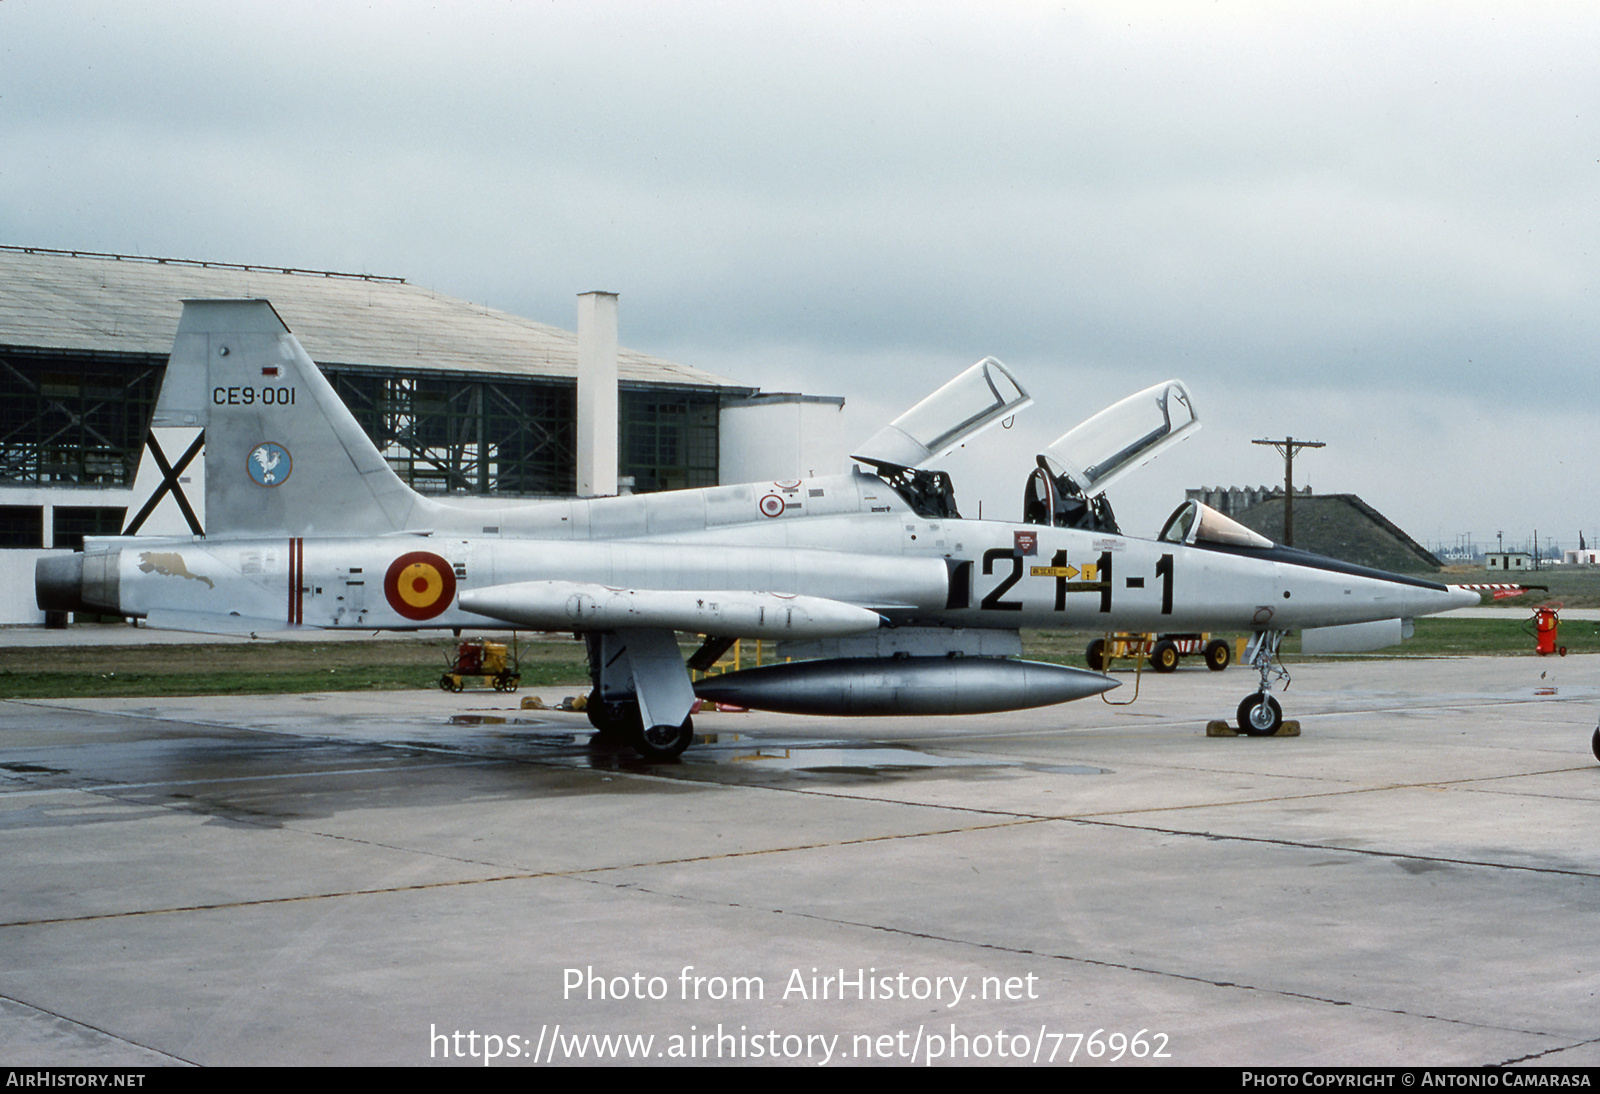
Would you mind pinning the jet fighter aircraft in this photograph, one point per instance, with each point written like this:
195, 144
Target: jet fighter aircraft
886, 600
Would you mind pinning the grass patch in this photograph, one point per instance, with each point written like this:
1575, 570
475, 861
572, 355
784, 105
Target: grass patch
1573, 586
1468, 638
261, 668
1433, 638
286, 668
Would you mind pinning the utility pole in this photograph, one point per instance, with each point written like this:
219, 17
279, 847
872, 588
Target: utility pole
1287, 448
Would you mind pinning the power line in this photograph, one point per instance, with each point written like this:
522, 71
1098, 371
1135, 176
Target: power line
1287, 448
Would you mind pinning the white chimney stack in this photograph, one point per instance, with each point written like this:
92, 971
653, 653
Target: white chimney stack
597, 394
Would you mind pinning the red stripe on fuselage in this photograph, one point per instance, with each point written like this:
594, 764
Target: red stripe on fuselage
297, 548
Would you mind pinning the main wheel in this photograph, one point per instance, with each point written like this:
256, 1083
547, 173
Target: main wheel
444, 683
1595, 744
1164, 657
1218, 655
664, 742
1260, 715
611, 719
1097, 655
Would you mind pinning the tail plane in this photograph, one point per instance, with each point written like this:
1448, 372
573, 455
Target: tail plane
249, 438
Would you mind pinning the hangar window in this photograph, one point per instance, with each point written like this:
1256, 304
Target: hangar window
21, 526
668, 438
70, 523
468, 436
75, 419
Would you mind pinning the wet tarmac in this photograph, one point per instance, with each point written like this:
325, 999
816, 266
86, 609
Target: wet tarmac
358, 878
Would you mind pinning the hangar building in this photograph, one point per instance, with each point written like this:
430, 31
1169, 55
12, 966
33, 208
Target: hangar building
1340, 526
461, 398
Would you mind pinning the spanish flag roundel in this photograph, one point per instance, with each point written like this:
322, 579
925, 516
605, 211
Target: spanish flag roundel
419, 585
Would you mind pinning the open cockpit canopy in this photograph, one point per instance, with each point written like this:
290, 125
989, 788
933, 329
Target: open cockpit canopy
1123, 436
984, 394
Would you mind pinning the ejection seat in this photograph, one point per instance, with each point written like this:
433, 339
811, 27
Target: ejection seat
1055, 501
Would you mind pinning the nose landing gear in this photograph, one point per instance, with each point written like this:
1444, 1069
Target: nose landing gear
1260, 715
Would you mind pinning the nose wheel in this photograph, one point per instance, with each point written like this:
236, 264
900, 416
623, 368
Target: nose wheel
1260, 715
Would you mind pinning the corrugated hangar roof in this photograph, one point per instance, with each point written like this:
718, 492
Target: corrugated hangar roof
81, 300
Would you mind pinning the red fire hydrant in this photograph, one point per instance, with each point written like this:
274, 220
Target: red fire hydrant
1546, 624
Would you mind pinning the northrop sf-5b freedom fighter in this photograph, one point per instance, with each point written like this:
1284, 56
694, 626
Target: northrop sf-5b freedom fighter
886, 600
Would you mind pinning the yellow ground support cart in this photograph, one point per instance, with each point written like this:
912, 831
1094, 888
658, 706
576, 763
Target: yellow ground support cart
1164, 651
482, 658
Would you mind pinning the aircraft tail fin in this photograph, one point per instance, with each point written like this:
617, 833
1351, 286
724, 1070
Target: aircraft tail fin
282, 453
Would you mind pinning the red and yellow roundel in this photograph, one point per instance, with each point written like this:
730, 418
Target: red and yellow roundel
419, 585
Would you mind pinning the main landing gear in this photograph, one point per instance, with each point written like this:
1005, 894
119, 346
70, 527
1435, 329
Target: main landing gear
1260, 715
642, 695
664, 742
619, 722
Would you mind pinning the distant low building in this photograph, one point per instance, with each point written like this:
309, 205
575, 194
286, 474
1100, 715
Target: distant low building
1340, 526
1230, 501
1507, 560
1585, 557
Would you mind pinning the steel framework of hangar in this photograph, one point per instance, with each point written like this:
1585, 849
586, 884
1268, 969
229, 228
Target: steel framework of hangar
461, 398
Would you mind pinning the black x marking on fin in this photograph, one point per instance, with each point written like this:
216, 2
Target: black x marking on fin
169, 482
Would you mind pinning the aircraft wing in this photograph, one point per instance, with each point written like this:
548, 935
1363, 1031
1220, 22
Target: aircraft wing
585, 606
634, 632
217, 623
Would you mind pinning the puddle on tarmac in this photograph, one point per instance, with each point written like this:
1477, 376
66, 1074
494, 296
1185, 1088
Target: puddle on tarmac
737, 752
866, 760
843, 761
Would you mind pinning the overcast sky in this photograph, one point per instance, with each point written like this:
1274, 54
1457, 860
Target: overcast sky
1373, 225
